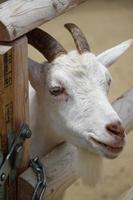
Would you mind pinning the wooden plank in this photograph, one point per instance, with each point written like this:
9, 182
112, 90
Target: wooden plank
60, 174
128, 195
19, 17
13, 99
6, 97
5, 86
21, 100
124, 107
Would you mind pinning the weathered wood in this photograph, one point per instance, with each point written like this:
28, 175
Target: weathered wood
128, 195
6, 99
60, 173
59, 163
21, 101
124, 107
19, 17
13, 99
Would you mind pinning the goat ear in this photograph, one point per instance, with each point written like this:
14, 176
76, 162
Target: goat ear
35, 73
109, 56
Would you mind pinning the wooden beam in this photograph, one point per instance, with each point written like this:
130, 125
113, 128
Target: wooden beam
19, 17
59, 163
128, 195
60, 173
13, 99
124, 107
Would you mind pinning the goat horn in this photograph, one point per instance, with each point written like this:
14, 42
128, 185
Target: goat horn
79, 38
45, 44
109, 56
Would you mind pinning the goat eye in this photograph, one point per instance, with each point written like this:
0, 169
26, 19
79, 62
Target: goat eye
56, 91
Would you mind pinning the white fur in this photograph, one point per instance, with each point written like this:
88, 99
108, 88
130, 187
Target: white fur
81, 113
89, 166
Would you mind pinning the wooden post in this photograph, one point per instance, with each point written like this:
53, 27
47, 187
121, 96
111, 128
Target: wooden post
128, 195
13, 100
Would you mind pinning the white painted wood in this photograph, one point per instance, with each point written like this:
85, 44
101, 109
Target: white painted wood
19, 17
124, 107
59, 163
128, 195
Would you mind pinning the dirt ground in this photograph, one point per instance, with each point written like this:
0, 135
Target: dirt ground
105, 23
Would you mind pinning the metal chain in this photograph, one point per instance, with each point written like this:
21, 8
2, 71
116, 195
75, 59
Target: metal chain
40, 172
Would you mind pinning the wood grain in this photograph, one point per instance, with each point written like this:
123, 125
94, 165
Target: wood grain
21, 101
19, 17
128, 195
60, 173
6, 99
14, 100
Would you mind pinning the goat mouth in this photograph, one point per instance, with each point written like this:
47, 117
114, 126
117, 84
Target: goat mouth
108, 150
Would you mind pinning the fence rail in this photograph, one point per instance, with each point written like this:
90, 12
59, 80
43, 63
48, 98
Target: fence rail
19, 17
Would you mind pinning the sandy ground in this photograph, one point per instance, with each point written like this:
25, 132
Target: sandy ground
105, 23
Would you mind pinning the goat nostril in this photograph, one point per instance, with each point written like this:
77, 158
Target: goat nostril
115, 128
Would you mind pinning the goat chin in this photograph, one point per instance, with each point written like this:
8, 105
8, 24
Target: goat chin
88, 166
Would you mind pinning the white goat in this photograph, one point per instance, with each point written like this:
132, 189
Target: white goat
68, 101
